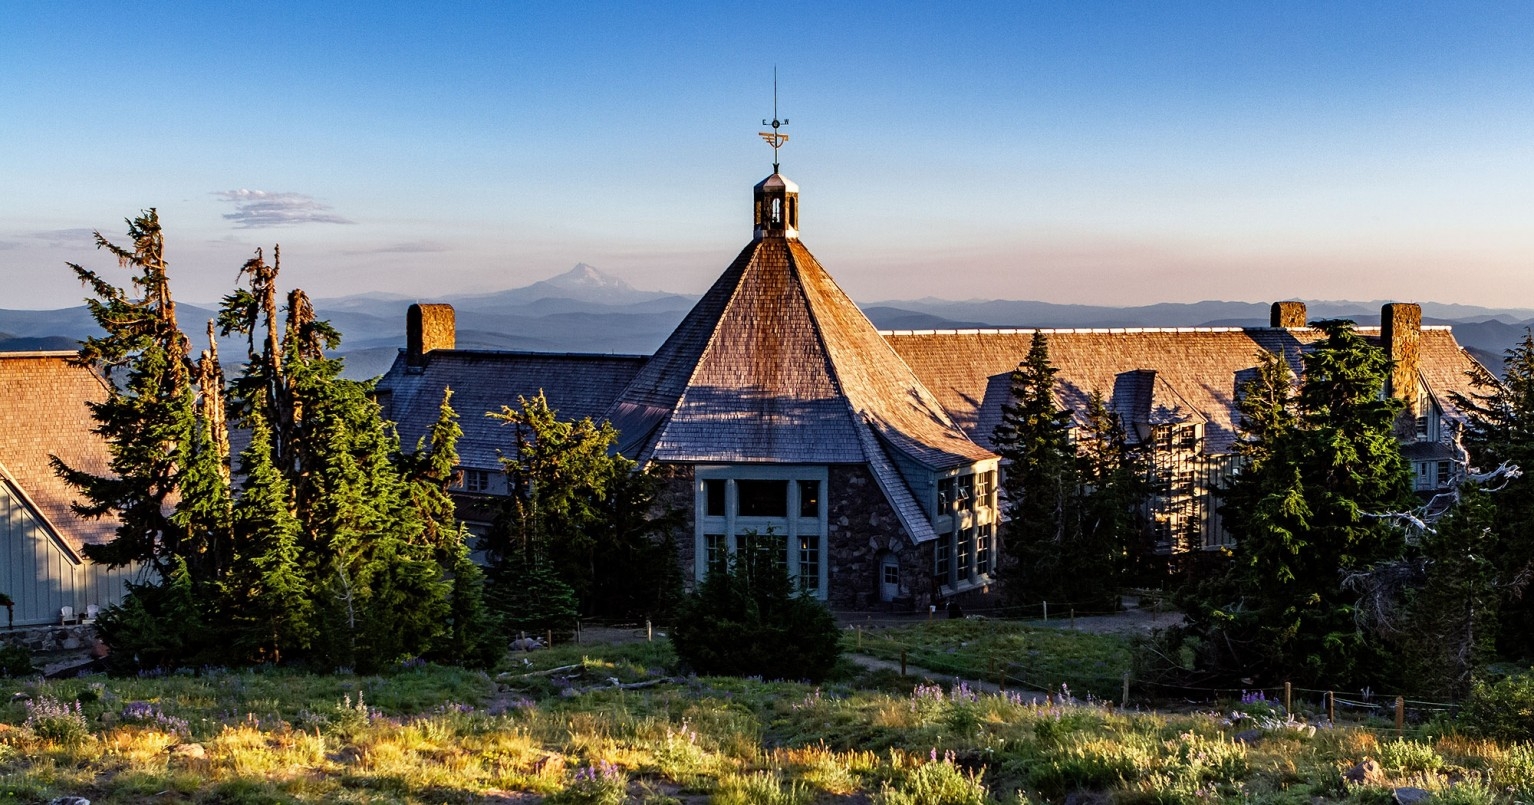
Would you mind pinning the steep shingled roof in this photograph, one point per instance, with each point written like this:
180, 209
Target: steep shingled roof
776, 364
970, 370
576, 386
43, 413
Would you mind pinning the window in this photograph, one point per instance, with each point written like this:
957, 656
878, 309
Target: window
717, 552
967, 491
944, 495
983, 550
809, 563
477, 481
809, 498
1421, 428
713, 490
942, 561
1443, 473
892, 575
762, 498
774, 545
985, 484
966, 552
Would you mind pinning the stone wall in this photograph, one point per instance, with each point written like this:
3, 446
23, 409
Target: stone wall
863, 529
44, 639
678, 492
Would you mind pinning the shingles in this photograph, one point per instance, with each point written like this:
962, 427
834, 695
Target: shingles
43, 413
576, 386
776, 365
1196, 370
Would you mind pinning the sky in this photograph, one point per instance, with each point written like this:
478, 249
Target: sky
1087, 152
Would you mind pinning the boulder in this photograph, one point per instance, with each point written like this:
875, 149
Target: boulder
1367, 772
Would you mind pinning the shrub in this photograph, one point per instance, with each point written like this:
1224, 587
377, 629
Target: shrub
937, 782
1503, 709
54, 720
598, 784
15, 661
746, 621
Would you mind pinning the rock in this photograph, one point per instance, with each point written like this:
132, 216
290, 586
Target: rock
1367, 772
69, 800
1247, 736
346, 756
21, 696
1411, 795
1087, 798
188, 751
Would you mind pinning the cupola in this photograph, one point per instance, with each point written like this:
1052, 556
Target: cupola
776, 205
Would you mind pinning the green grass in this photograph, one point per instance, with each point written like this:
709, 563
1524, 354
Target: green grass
1038, 657
431, 734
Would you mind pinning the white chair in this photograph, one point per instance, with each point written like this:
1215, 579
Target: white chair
91, 611
66, 614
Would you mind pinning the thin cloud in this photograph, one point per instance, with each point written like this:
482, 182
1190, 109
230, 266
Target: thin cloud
259, 209
8, 245
410, 247
64, 237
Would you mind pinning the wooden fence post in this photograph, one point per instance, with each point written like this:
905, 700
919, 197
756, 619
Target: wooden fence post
1046, 612
550, 633
1125, 703
1331, 707
649, 631
1073, 618
1288, 698
1400, 713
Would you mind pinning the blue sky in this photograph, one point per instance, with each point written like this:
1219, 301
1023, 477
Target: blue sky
1119, 153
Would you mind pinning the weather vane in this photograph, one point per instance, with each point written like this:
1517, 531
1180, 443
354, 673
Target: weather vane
774, 138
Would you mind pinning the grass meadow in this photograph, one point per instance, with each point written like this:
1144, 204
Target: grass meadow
561, 726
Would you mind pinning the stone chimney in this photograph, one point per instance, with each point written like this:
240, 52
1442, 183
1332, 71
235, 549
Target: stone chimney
1401, 338
428, 327
1287, 314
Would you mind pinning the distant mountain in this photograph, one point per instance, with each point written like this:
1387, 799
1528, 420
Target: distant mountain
583, 284
586, 310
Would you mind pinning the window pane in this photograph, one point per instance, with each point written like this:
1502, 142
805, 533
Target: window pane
809, 498
944, 495
775, 546
809, 563
717, 552
762, 498
713, 489
943, 558
966, 551
983, 550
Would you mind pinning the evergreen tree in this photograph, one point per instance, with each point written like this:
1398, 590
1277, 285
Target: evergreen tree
148, 417
1111, 488
747, 621
268, 604
1501, 430
1300, 513
582, 524
431, 471
1039, 480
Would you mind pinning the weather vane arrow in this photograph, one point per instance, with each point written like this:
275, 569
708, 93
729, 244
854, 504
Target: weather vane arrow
774, 138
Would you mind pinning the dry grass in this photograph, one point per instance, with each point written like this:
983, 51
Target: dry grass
446, 735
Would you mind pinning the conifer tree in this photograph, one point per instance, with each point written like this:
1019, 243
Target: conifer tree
1300, 515
431, 471
1110, 489
1039, 479
268, 599
1501, 430
148, 418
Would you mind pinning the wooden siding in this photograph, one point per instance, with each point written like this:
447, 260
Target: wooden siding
39, 572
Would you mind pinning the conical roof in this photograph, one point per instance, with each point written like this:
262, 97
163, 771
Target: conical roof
775, 364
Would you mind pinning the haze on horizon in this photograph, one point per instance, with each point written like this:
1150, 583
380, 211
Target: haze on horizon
1103, 153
